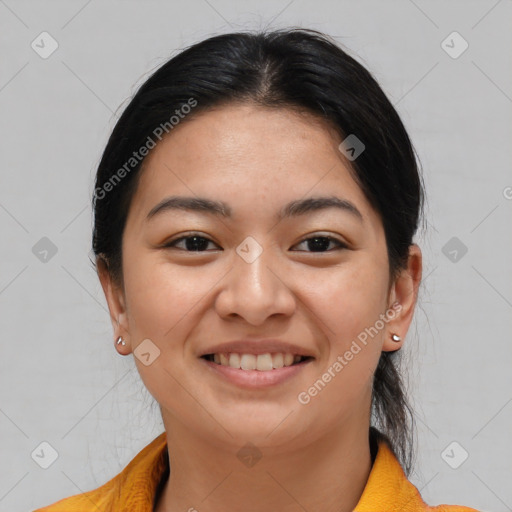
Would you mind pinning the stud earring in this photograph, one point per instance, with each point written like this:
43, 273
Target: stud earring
395, 337
120, 341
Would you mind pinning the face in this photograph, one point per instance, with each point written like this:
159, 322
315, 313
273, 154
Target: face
315, 278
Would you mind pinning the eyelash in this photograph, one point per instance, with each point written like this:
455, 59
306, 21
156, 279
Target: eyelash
341, 245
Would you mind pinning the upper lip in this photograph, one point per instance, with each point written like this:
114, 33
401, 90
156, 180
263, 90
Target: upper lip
257, 347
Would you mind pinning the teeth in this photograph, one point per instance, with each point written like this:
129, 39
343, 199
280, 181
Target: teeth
261, 362
288, 359
248, 362
264, 362
277, 361
234, 360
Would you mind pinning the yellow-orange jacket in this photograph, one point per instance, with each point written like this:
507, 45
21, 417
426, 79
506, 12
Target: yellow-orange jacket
134, 489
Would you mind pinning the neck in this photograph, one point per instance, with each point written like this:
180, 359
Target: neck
328, 474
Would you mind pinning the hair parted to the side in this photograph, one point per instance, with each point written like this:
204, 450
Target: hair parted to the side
294, 68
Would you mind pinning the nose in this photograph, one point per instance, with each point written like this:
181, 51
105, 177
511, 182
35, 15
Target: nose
255, 290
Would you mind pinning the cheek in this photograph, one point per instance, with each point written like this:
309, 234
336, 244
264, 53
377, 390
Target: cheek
353, 297
161, 295
350, 305
162, 300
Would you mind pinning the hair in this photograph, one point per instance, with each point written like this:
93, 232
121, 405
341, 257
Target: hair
293, 68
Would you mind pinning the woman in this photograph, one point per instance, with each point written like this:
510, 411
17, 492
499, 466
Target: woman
255, 209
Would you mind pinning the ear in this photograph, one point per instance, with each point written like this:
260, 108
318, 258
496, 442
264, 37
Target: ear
116, 305
404, 291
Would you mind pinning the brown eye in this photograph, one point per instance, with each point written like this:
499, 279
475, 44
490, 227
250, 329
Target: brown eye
193, 243
320, 243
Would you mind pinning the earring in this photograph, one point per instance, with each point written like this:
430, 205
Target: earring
395, 337
120, 341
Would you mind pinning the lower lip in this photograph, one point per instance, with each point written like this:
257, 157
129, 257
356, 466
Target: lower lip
254, 379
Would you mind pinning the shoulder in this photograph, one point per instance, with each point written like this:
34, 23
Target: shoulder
388, 488
451, 508
133, 488
96, 500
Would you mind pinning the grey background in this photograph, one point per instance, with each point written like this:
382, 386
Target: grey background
61, 379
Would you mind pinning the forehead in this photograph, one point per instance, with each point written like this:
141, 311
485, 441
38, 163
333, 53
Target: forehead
250, 157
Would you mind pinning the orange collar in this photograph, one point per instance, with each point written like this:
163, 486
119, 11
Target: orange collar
134, 489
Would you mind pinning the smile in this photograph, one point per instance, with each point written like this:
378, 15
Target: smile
260, 362
253, 371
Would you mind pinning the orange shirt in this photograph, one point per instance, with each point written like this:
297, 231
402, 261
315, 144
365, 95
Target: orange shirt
134, 489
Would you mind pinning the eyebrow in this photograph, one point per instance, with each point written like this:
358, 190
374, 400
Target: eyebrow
219, 208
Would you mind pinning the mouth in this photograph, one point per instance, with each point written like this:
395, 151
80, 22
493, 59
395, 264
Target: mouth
256, 371
260, 362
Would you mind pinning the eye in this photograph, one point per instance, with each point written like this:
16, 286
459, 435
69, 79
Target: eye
198, 243
193, 243
319, 243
